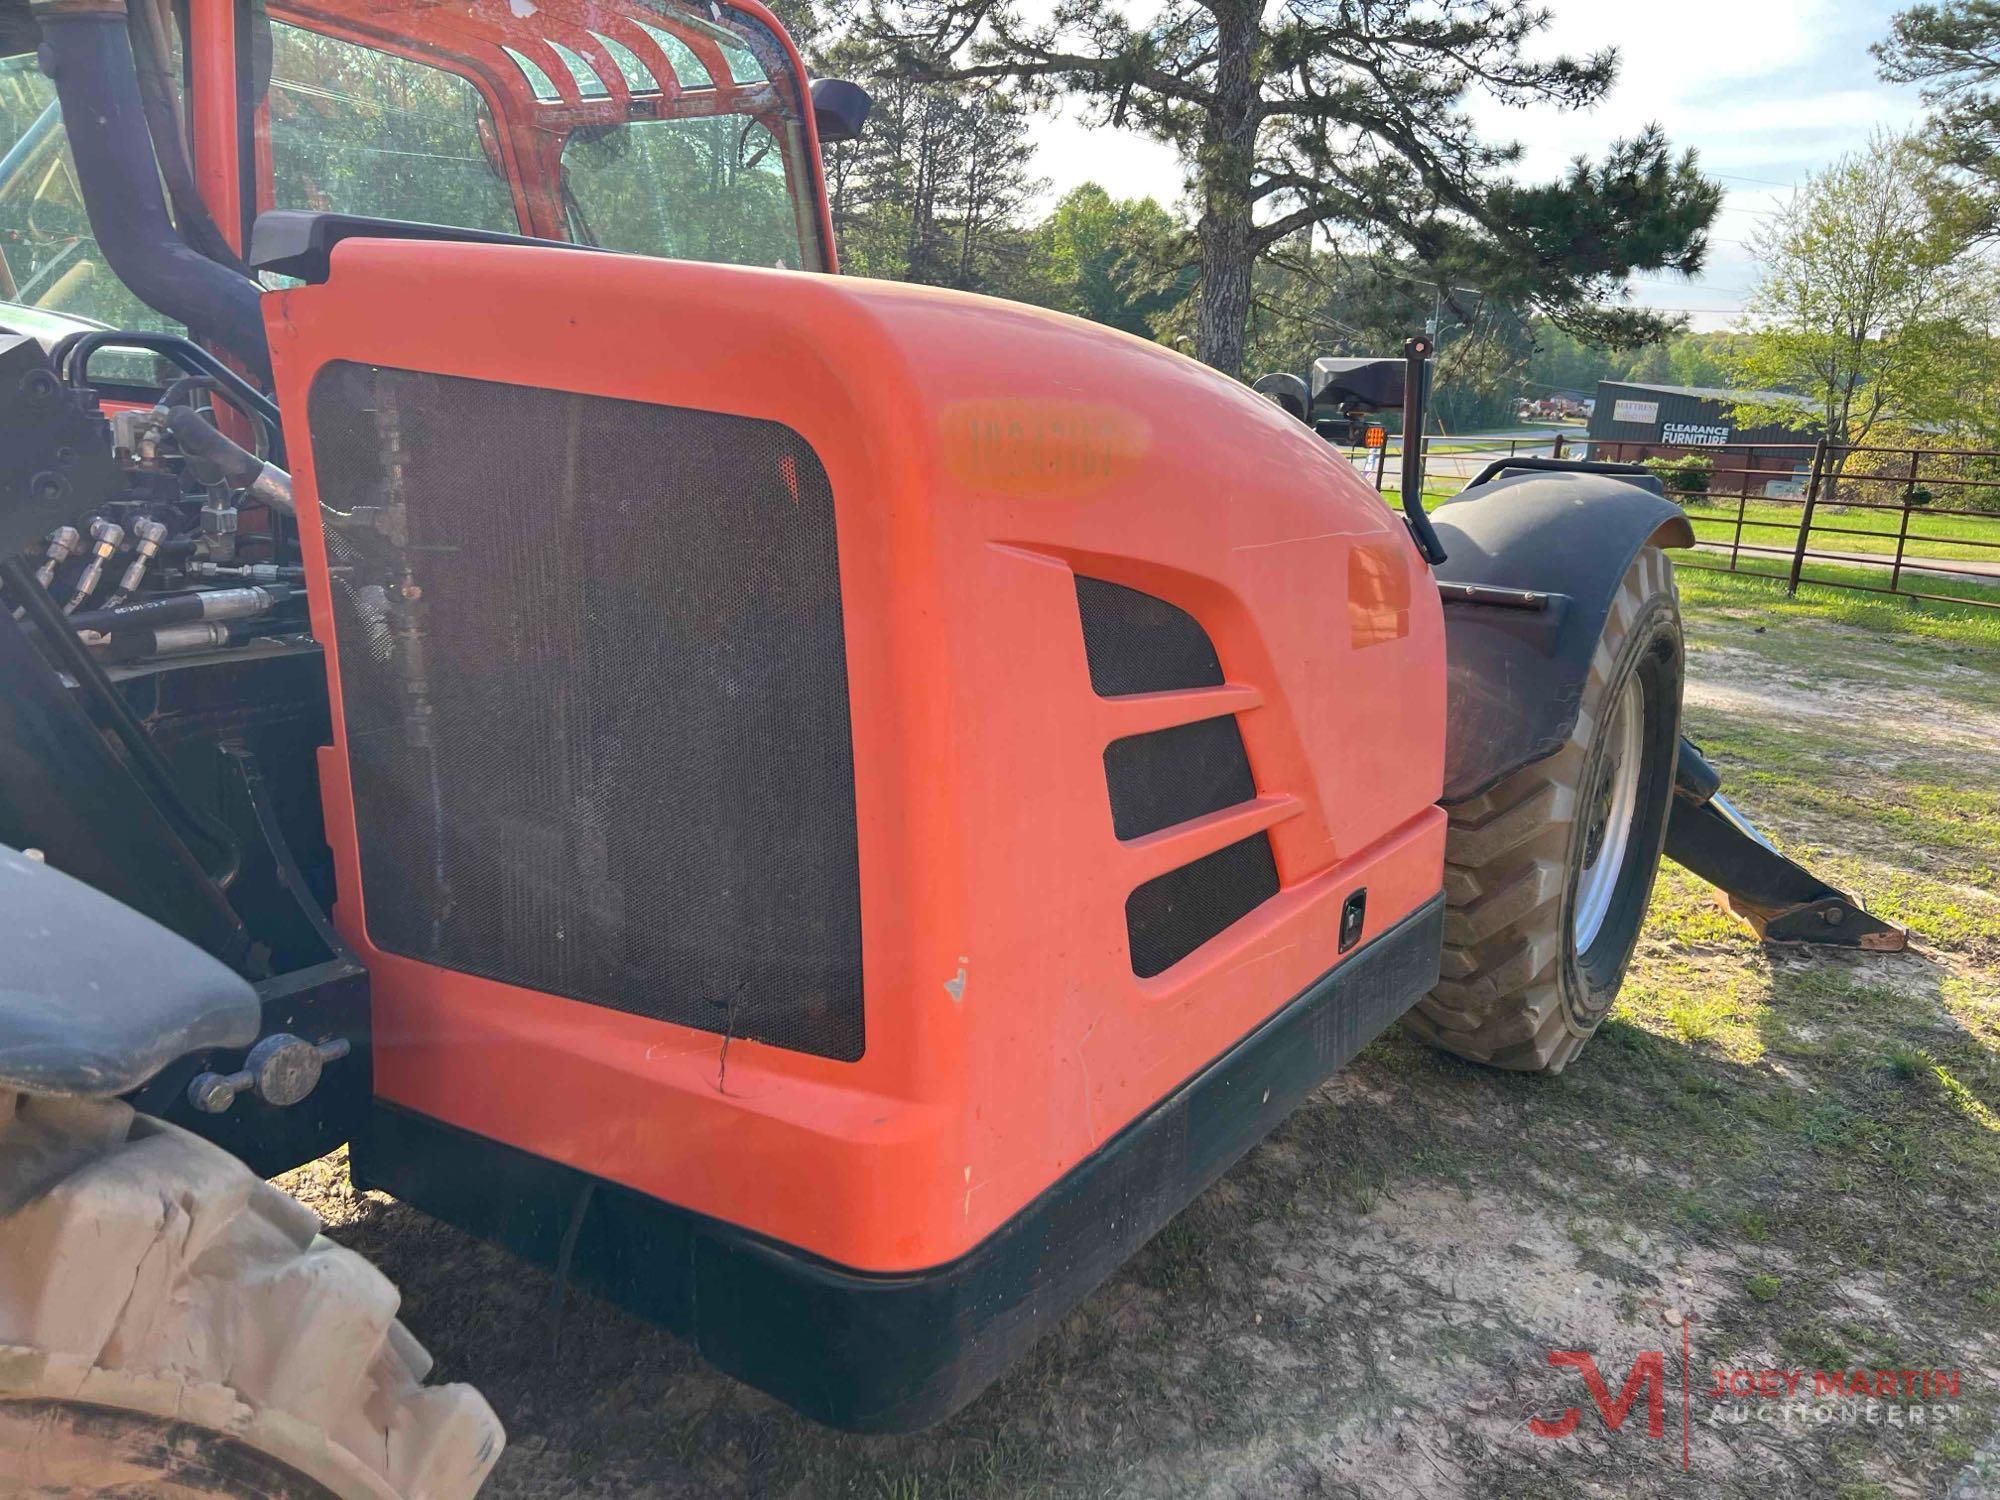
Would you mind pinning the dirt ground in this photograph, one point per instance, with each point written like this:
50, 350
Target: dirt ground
1777, 1162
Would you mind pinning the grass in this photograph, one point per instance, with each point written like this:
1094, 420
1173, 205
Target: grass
1774, 523
1894, 621
1945, 591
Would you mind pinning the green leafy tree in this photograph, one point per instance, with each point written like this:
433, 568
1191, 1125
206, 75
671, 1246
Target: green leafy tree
1347, 116
1564, 362
1114, 261
1867, 302
1697, 359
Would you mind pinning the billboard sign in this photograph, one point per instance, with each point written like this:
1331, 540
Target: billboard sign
1695, 434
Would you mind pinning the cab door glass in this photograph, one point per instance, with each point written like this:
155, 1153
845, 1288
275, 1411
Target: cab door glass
711, 189
360, 131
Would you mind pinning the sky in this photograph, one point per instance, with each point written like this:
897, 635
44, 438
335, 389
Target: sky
1766, 91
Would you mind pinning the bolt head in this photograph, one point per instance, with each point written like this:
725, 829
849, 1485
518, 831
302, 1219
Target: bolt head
210, 1093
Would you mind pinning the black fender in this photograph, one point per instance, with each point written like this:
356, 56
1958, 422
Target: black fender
96, 998
1532, 563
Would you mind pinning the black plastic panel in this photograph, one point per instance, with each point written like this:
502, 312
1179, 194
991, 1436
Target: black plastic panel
1171, 915
1514, 679
595, 689
300, 242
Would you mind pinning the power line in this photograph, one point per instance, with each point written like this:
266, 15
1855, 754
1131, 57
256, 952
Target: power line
1730, 291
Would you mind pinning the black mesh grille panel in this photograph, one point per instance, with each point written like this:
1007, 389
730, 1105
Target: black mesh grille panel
1171, 915
1136, 643
1139, 644
595, 691
1166, 777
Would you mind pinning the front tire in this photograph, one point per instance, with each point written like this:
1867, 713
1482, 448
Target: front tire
1547, 874
172, 1324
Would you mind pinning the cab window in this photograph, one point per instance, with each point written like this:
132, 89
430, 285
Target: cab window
693, 189
49, 261
359, 131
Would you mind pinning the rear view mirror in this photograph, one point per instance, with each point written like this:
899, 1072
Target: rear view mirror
840, 109
1348, 385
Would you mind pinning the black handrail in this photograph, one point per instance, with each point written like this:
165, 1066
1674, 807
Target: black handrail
1416, 389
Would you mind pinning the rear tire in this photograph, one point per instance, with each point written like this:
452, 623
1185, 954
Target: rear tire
172, 1324
1547, 875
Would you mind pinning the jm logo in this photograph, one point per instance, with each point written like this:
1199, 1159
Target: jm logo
1648, 1375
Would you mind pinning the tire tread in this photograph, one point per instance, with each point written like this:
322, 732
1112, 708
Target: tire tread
1499, 1001
161, 1273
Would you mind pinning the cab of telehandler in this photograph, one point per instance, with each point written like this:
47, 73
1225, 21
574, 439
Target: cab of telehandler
653, 129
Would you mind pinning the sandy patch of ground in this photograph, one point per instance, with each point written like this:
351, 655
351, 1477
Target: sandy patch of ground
1737, 682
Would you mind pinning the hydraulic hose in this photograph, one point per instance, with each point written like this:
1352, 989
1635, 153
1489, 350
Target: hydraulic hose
172, 640
200, 439
153, 70
177, 609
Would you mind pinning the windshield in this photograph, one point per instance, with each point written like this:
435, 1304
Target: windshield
643, 126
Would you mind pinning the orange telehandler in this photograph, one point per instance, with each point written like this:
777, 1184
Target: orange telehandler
826, 811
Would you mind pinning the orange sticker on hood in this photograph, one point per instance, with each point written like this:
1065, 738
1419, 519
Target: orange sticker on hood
1036, 446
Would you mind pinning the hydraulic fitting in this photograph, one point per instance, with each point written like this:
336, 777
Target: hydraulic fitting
63, 544
150, 534
218, 526
249, 572
105, 537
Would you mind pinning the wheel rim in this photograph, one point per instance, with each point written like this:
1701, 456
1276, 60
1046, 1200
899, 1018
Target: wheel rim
1610, 808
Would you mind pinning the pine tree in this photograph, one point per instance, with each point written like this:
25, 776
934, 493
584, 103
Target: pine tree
1345, 116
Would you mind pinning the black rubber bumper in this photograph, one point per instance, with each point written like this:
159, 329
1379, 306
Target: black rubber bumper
894, 1353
